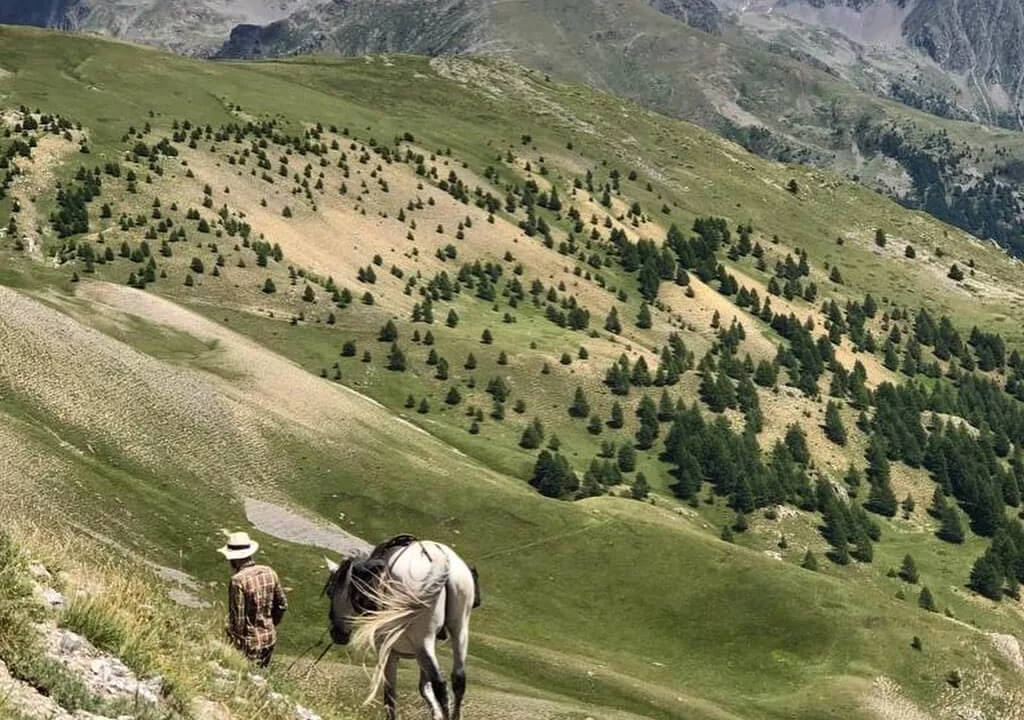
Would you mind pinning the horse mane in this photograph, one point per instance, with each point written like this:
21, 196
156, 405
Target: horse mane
336, 578
396, 606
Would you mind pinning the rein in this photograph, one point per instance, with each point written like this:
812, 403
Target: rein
304, 653
318, 659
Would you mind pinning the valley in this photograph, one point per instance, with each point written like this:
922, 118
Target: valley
459, 298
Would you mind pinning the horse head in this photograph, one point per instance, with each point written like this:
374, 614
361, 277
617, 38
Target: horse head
337, 592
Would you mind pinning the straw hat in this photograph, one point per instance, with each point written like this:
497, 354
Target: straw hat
240, 546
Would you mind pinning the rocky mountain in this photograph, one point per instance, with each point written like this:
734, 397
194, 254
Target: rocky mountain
957, 59
193, 27
800, 81
354, 27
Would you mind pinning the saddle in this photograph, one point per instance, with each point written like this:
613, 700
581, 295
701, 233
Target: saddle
367, 576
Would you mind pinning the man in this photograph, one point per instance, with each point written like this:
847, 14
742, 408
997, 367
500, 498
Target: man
256, 601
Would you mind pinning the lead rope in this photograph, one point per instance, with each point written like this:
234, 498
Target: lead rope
305, 652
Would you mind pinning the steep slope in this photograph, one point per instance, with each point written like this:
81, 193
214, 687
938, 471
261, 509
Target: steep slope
828, 84
956, 59
777, 79
361, 289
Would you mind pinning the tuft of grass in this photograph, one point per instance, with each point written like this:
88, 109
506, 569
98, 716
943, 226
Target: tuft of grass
97, 621
20, 647
18, 607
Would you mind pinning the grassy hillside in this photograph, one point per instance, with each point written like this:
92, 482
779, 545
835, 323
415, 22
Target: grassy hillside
782, 89
160, 384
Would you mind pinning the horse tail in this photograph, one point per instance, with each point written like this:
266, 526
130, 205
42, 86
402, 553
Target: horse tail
478, 599
397, 607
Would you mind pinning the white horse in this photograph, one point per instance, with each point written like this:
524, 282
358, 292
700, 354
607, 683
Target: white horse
399, 601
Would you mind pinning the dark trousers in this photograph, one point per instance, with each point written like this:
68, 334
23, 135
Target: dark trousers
261, 657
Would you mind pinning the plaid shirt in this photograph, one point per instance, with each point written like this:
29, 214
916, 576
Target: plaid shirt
256, 604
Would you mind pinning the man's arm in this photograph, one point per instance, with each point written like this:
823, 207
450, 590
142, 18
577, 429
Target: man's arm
280, 601
236, 611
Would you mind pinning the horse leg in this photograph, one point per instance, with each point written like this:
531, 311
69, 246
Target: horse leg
390, 684
460, 646
439, 690
427, 693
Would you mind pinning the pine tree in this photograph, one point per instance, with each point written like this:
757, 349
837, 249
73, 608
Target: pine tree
612, 323
580, 408
424, 407
396, 359
388, 333
627, 458
796, 443
486, 337
809, 562
925, 601
852, 480
881, 498
646, 434
834, 428
531, 438
708, 390
641, 376
740, 524
453, 319
908, 570
742, 499
552, 475
863, 550
308, 295
950, 528
666, 408
268, 287
643, 318
987, 576
616, 419
595, 426
639, 489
